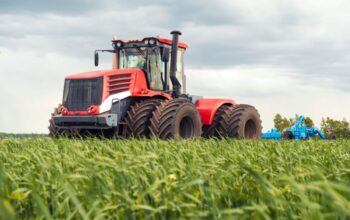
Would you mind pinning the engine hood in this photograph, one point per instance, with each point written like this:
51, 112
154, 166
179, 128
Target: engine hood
119, 84
99, 73
116, 81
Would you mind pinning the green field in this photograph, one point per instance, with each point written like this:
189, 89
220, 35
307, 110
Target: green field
202, 179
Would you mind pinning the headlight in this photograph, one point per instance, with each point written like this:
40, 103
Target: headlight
117, 44
152, 41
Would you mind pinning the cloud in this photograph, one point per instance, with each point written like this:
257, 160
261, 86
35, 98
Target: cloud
53, 6
285, 56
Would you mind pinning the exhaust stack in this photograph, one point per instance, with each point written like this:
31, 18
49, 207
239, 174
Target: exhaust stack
173, 64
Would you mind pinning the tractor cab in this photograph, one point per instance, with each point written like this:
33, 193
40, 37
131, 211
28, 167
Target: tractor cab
152, 55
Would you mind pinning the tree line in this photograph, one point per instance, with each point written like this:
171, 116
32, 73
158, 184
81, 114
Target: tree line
13, 135
340, 127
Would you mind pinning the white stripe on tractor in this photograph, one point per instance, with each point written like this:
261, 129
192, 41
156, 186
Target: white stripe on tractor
107, 104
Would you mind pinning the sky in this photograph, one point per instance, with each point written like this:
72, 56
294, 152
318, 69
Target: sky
288, 57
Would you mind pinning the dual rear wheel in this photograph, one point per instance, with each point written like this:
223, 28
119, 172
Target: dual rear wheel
239, 121
179, 118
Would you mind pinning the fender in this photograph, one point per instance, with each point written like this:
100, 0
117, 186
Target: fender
208, 107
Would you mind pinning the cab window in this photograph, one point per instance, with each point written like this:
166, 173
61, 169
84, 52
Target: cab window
146, 59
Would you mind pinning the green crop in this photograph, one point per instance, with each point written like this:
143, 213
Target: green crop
150, 179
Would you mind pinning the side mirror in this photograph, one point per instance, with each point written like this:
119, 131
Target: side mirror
165, 54
96, 58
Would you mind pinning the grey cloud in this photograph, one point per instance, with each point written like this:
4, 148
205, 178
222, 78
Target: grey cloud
52, 6
221, 34
310, 39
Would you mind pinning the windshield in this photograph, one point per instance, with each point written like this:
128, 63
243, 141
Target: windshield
145, 58
133, 58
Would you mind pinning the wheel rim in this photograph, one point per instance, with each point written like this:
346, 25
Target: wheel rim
186, 128
287, 135
250, 129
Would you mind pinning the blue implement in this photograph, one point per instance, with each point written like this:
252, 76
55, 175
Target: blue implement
272, 134
298, 131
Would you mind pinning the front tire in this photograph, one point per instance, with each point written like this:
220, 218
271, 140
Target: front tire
54, 131
138, 118
177, 118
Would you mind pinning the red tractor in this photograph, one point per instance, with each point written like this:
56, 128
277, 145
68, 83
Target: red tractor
144, 95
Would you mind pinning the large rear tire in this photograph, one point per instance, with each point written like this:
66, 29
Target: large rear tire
220, 123
244, 123
177, 118
138, 118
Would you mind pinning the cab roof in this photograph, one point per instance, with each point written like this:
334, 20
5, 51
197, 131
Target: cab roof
161, 40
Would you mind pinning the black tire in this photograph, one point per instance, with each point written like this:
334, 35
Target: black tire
220, 123
54, 131
331, 136
287, 135
138, 118
177, 118
244, 123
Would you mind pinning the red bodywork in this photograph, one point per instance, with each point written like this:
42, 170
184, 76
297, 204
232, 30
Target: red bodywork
116, 81
169, 42
120, 80
133, 80
92, 110
207, 108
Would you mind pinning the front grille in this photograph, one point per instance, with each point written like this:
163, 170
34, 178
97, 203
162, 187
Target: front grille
79, 94
119, 83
